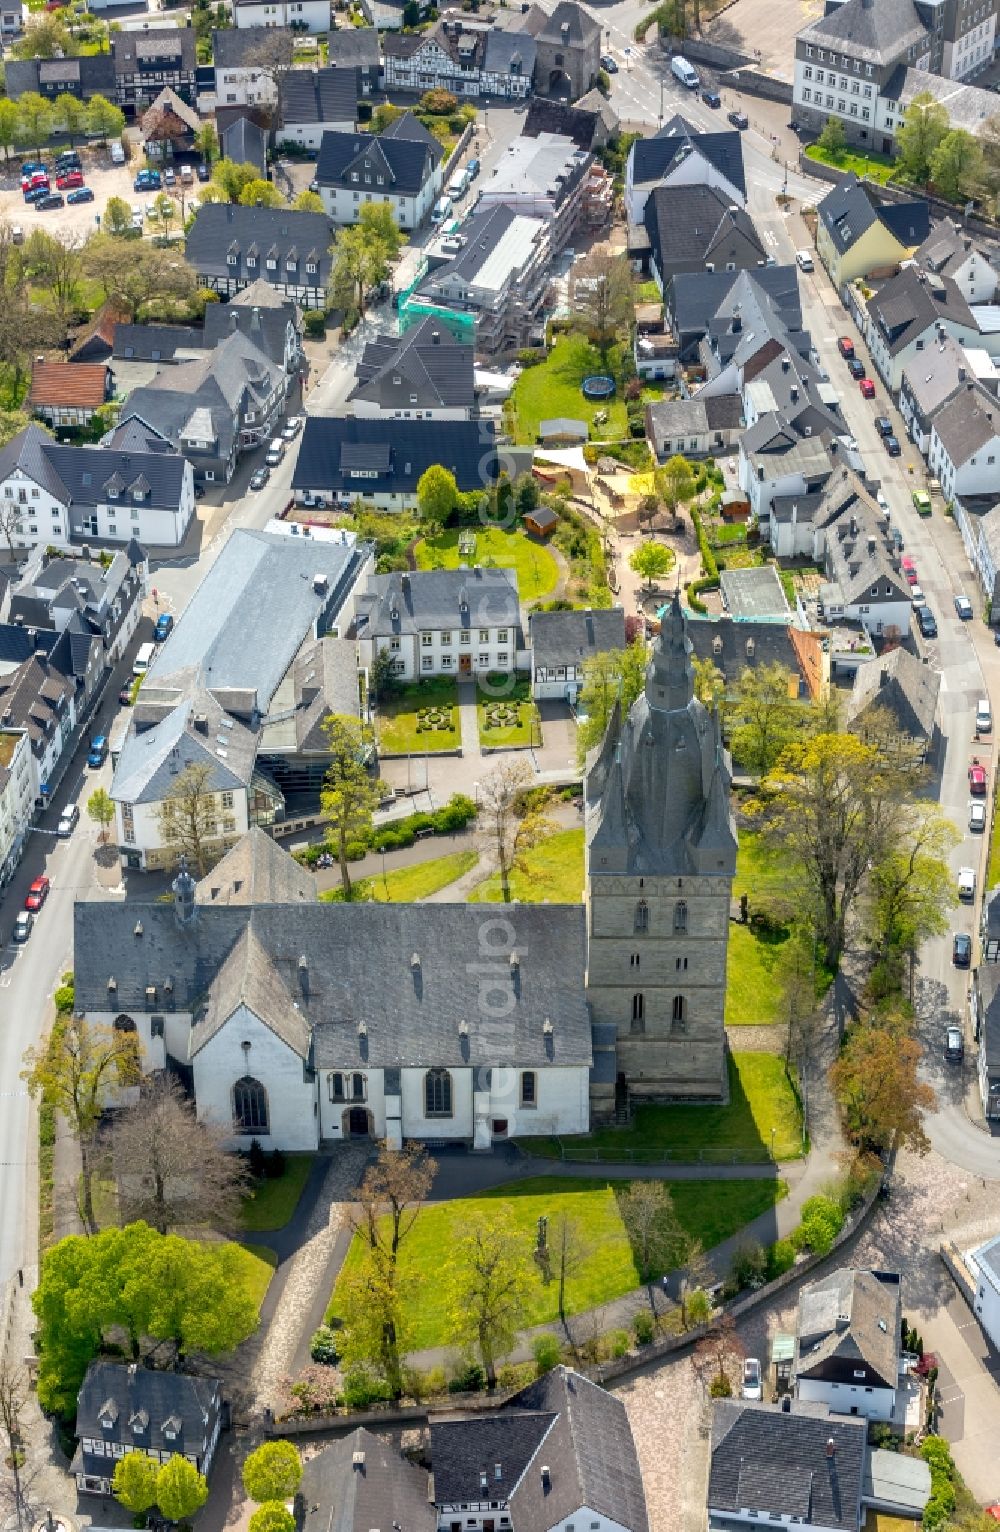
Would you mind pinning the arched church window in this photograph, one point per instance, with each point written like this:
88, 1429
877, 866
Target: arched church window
678, 1016
680, 916
124, 1024
250, 1106
641, 923
437, 1093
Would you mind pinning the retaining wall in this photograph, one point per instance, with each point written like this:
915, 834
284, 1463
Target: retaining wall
749, 81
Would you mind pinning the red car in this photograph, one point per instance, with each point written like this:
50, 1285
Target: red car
70, 179
977, 780
846, 347
866, 385
909, 569
36, 178
37, 894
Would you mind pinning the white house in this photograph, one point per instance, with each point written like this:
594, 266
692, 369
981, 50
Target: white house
441, 622
985, 1264
400, 167
297, 15
562, 642
951, 252
37, 697
847, 1343
17, 797
908, 316
463, 57
964, 450
776, 461
678, 155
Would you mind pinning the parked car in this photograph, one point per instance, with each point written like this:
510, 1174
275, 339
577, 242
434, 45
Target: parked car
753, 1387
473, 167
711, 98
164, 623
867, 388
608, 64
68, 820
69, 179
147, 180
927, 622
891, 445
292, 427
855, 367
23, 925
203, 172
275, 453
36, 193
125, 696
961, 950
917, 595
977, 780
37, 894
804, 260
967, 884
117, 152
30, 167
260, 478
98, 751
82, 194
977, 817
963, 606
984, 716
909, 568
883, 425
49, 201
169, 179
846, 347
739, 120
954, 1045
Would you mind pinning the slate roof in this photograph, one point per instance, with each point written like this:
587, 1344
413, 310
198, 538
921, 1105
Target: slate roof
906, 306
849, 1318
575, 122
581, 26
859, 555
245, 143
139, 1401
404, 156
701, 301
669, 418
902, 684
428, 361
323, 679
93, 75
257, 871
238, 47
463, 1450
168, 117
948, 247
156, 342
82, 385
78, 475
355, 47
734, 646
35, 697
967, 423
219, 227
339, 1494
437, 599
690, 226
131, 51
398, 450
652, 158
499, 242
878, 34
151, 758
850, 209
569, 638
258, 312
934, 377
769, 1460
319, 95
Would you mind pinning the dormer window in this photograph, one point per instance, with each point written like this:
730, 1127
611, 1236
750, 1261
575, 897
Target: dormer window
233, 260
251, 263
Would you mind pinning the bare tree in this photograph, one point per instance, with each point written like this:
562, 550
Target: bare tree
13, 1397
653, 1229
188, 816
716, 1357
393, 1188
511, 824
172, 1170
569, 1249
603, 299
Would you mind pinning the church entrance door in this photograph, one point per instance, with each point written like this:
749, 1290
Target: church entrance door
358, 1122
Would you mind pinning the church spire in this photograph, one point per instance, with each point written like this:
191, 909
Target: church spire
670, 677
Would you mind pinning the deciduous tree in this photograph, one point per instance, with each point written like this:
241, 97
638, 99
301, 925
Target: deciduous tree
46, 36
510, 823
957, 165
918, 137
13, 1397
188, 816
117, 218
35, 119
653, 1229
569, 1250
261, 193
272, 1472
180, 1489
717, 1356
101, 809
675, 483
363, 255
8, 125
71, 116
763, 714
308, 202
104, 119
651, 560
56, 266
273, 1516
373, 1314
603, 299
875, 1080
609, 677
206, 141
490, 1282
133, 273
163, 212
437, 495
833, 140
350, 796
389, 1199
133, 1482
912, 886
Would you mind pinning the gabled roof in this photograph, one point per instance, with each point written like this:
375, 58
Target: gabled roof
901, 684
136, 1403
486, 1457
435, 599
851, 208
319, 95
906, 306
427, 360
569, 23
876, 33
569, 638
98, 337
404, 155
194, 731
948, 247
933, 377
703, 300
133, 51
769, 1460
82, 385
245, 142
849, 1317
967, 423
257, 871
78, 475
652, 158
156, 342
547, 116
361, 1482
169, 117
692, 226
219, 228
499, 243
399, 451
236, 47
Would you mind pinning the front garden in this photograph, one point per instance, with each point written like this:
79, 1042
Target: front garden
507, 717
552, 871
877, 167
421, 718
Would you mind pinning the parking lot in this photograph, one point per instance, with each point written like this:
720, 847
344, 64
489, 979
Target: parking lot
104, 179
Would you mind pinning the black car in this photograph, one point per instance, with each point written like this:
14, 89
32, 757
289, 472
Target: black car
608, 64
928, 625
260, 478
856, 367
50, 200
739, 120
125, 697
203, 172
892, 446
711, 98
883, 425
69, 161
961, 950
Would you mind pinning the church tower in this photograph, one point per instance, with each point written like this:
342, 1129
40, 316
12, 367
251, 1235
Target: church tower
661, 857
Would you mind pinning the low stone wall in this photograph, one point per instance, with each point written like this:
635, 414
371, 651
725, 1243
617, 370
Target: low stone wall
820, 172
696, 51
749, 81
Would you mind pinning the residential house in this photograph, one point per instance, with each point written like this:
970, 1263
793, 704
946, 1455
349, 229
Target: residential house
210, 410
209, 695
964, 450
561, 643
735, 314
864, 583
230, 247
423, 374
17, 798
38, 697
776, 461
358, 1482
678, 155
695, 427
847, 1340
789, 384
297, 15
400, 167
972, 264
654, 347
315, 102
491, 290
984, 1008
67, 496
981, 535
434, 622
786, 1463
908, 315
83, 78
83, 597
461, 57
738, 644
249, 63
591, 122
69, 393
929, 382
894, 705
146, 61
858, 236
697, 228
11, 20
567, 49
270, 321
122, 1409
549, 178
984, 1264
245, 143
168, 127
381, 460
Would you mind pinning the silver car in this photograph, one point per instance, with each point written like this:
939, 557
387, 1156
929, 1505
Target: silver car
753, 1385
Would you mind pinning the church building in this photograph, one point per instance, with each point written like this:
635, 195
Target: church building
301, 1023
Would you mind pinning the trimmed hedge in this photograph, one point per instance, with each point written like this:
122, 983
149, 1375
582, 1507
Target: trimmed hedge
453, 815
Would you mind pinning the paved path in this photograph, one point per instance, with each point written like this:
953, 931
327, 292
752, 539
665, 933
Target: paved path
468, 721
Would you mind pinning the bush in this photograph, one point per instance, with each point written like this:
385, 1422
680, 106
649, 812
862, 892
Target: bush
64, 998
749, 1265
471, 1379
323, 1346
314, 323
780, 1258
362, 1387
936, 1454
515, 1374
276, 1165
530, 356
546, 1350
257, 1159
619, 1343
642, 1324
720, 1388
822, 1221
436, 1380
440, 103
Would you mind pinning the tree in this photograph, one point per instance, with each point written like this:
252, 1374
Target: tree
117, 218
104, 119
171, 1167
376, 219
875, 1079
709, 682
206, 141
831, 806
675, 483
271, 1517
617, 675
132, 274
490, 1282
349, 796
919, 136
46, 36
912, 886
163, 212
260, 193
71, 116
569, 1249
101, 809
12, 422
511, 824
385, 115
373, 1320
232, 179
380, 674
308, 202
272, 1472
957, 165
133, 1483
653, 1229
75, 1070
362, 256
389, 1199
833, 139
13, 1397
187, 816
35, 119
763, 714
526, 494
180, 1489
8, 125
651, 560
603, 299
715, 1355
437, 495
56, 265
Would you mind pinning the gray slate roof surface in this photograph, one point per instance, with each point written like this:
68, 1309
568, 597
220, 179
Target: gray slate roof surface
879, 33
692, 225
77, 475
901, 683
319, 95
569, 638
780, 1461
933, 377
427, 359
466, 447
404, 155
245, 143
192, 1403
431, 599
257, 871
218, 226
383, 1491
771, 644
967, 423
151, 760
464, 1449
652, 158
907, 305
848, 1317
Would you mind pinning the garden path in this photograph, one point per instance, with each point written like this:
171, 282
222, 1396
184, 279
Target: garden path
468, 720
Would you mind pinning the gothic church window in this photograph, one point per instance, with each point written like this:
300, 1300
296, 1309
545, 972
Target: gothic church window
642, 916
680, 916
638, 1013
678, 1015
250, 1106
437, 1093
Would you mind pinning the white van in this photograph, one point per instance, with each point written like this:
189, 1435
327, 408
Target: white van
117, 152
441, 210
984, 718
685, 72
457, 185
143, 659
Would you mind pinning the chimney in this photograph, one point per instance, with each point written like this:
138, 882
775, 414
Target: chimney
831, 1445
883, 679
961, 374
255, 319
854, 526
358, 1460
435, 337
565, 37
785, 364
201, 722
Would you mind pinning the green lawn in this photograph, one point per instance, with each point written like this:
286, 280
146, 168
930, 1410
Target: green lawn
537, 571
553, 870
408, 884
271, 1203
878, 167
260, 1262
506, 714
710, 1210
760, 871
761, 1097
993, 870
553, 388
648, 292
403, 726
